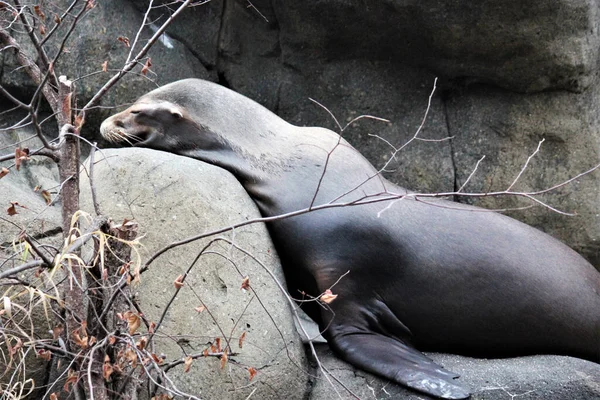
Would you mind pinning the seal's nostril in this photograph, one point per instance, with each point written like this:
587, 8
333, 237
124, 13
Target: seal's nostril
119, 124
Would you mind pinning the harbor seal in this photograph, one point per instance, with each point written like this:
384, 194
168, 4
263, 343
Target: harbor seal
409, 275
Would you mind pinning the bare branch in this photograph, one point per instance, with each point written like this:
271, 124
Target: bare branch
129, 66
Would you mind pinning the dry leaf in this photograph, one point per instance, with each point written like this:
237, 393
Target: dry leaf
46, 196
199, 309
131, 356
20, 156
42, 30
187, 364
157, 359
178, 283
3, 172
252, 372
56, 19
328, 297
44, 354
90, 4
133, 321
80, 340
246, 284
152, 327
223, 360
53, 396
242, 338
112, 340
12, 350
146, 66
124, 40
105, 66
12, 210
39, 12
142, 343
205, 353
218, 341
107, 368
71, 380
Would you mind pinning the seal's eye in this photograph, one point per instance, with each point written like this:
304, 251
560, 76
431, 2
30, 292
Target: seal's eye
176, 114
135, 112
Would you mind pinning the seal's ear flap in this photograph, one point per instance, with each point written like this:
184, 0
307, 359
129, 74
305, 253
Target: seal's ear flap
175, 113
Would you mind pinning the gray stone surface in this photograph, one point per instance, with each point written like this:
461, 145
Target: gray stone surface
526, 378
172, 198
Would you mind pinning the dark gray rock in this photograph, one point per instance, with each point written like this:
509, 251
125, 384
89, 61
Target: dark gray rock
527, 378
525, 47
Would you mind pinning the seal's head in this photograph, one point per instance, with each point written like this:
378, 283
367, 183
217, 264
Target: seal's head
168, 118
142, 123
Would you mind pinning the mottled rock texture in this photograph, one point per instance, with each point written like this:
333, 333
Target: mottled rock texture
510, 74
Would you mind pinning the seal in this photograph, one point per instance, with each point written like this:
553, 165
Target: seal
411, 274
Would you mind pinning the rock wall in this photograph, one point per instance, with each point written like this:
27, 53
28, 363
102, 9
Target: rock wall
510, 75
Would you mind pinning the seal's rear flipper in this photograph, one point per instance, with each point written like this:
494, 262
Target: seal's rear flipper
392, 359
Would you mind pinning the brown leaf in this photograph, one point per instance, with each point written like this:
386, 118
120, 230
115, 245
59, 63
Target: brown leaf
131, 356
20, 156
146, 66
199, 309
112, 340
178, 283
152, 327
53, 396
328, 297
46, 196
90, 4
242, 338
105, 66
11, 210
44, 354
205, 353
39, 12
187, 364
71, 380
252, 372
42, 30
107, 368
80, 340
142, 343
218, 341
124, 40
223, 360
56, 19
157, 359
3, 172
246, 284
12, 350
133, 321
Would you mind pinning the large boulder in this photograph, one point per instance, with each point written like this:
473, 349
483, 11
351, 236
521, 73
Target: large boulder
525, 378
172, 198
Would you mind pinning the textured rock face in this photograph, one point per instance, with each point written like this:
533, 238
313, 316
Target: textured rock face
511, 73
173, 198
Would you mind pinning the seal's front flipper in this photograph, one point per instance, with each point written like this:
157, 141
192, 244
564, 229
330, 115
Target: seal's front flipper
398, 362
